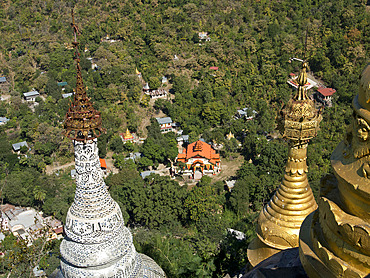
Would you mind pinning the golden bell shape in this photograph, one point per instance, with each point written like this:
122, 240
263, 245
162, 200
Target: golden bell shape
335, 239
280, 220
127, 135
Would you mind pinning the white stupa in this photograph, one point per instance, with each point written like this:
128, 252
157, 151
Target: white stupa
96, 243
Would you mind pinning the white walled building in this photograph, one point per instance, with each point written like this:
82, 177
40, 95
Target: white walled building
31, 96
165, 124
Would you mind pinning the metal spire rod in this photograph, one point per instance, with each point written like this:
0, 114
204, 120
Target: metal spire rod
82, 121
75, 33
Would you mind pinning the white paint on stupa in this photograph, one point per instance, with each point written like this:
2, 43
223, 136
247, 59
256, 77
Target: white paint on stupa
97, 243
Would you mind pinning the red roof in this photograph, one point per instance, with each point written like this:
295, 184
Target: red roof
326, 91
58, 230
213, 68
103, 163
291, 74
182, 155
199, 149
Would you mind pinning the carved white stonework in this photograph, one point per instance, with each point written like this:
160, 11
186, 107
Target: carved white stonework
97, 243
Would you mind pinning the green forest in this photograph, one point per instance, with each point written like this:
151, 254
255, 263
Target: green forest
251, 42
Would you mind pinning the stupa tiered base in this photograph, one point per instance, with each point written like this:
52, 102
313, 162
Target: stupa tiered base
280, 220
259, 251
335, 239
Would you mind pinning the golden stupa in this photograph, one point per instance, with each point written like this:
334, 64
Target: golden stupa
280, 220
128, 135
229, 136
334, 240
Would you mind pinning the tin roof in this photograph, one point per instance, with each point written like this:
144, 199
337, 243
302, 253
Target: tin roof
17, 146
165, 120
31, 94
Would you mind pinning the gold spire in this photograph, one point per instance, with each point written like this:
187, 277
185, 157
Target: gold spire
230, 135
128, 135
280, 220
335, 239
302, 81
82, 121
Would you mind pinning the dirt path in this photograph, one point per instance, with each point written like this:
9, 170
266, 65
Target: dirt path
110, 165
146, 115
228, 168
52, 168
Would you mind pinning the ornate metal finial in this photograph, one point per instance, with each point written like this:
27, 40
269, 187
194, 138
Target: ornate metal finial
299, 120
302, 81
302, 78
82, 121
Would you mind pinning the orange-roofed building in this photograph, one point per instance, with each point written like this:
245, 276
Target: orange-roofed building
103, 164
198, 159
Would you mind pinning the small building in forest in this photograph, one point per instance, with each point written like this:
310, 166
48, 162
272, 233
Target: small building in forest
103, 166
67, 95
17, 146
3, 80
246, 113
154, 94
182, 139
134, 157
146, 87
204, 36
127, 136
325, 95
3, 120
198, 159
31, 96
145, 174
73, 173
29, 224
165, 124
62, 84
